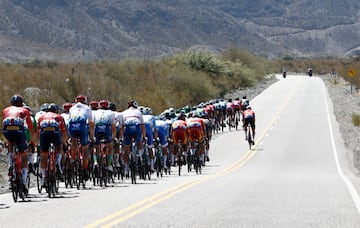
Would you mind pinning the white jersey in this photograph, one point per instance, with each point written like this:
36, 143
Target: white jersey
80, 111
103, 117
38, 114
66, 117
118, 119
132, 116
149, 121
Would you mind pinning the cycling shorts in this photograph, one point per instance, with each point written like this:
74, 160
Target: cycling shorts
48, 137
150, 138
17, 136
132, 132
196, 134
103, 135
250, 121
179, 135
79, 130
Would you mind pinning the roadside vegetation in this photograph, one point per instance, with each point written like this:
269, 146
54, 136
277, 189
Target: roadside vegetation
173, 81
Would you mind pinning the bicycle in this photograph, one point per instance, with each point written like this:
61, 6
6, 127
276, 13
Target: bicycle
68, 168
16, 185
145, 161
52, 180
249, 136
158, 164
180, 156
196, 157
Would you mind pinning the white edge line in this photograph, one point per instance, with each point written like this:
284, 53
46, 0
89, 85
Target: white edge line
349, 185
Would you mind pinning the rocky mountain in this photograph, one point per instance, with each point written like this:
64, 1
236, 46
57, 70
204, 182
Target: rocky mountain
85, 30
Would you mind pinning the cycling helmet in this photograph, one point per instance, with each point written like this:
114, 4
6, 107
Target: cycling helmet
94, 105
133, 104
67, 106
248, 107
44, 107
167, 115
104, 104
81, 98
229, 100
112, 106
147, 111
244, 97
141, 109
53, 108
17, 100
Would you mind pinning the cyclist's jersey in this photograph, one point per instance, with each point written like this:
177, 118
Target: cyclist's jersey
197, 129
50, 127
132, 119
244, 103
103, 121
80, 117
222, 105
237, 105
179, 131
229, 106
17, 117
66, 117
150, 125
50, 121
249, 114
118, 120
163, 131
38, 114
14, 119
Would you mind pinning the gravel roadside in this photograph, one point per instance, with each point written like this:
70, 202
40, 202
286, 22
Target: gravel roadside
340, 95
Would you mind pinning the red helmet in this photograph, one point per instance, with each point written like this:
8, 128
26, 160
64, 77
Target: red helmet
81, 98
133, 104
67, 106
94, 105
104, 104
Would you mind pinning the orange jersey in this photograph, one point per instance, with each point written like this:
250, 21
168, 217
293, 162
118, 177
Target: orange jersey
179, 131
17, 116
248, 113
196, 128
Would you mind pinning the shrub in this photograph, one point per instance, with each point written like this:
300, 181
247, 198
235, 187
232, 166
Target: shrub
356, 119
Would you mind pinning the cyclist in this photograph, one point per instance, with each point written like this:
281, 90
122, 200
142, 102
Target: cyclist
51, 129
81, 125
105, 128
249, 118
118, 124
133, 128
151, 133
14, 118
237, 106
169, 121
197, 132
66, 114
163, 133
180, 135
244, 103
230, 112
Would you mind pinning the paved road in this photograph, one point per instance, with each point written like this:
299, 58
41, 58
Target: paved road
296, 176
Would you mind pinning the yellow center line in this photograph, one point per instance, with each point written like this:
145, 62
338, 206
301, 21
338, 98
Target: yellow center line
118, 217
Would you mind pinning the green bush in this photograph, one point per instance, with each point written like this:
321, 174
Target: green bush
356, 119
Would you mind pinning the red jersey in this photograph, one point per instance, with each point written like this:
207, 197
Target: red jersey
248, 113
17, 116
51, 120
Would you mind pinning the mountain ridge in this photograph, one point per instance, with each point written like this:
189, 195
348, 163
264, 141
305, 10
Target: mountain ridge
86, 30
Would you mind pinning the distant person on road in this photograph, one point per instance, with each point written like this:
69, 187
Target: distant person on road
249, 118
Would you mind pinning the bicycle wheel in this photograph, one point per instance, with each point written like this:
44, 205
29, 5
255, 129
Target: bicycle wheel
132, 169
249, 137
14, 189
38, 180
